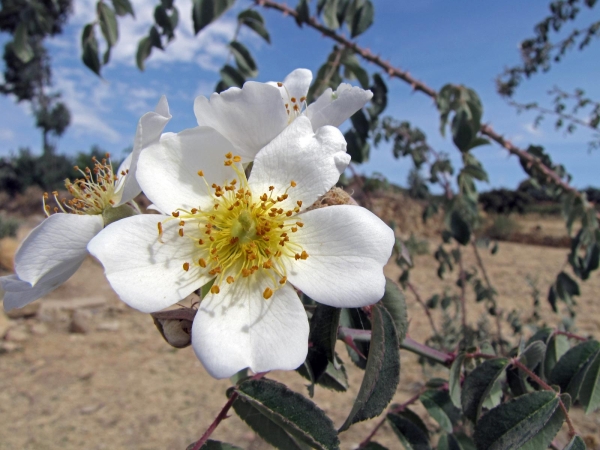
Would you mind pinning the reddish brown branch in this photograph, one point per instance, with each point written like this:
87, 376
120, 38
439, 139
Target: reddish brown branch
413, 289
418, 85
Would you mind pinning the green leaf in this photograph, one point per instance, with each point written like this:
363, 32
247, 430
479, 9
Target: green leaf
143, 52
231, 76
576, 444
395, 303
476, 172
270, 430
545, 436
512, 424
568, 370
123, 7
154, 36
566, 287
243, 59
363, 19
558, 345
161, 17
205, 12
410, 429
478, 385
21, 46
459, 228
89, 45
531, 357
330, 14
379, 99
334, 378
323, 336
373, 446
108, 23
589, 394
300, 417
255, 22
478, 142
454, 387
357, 148
353, 66
303, 12
448, 442
382, 373
356, 318
440, 408
214, 445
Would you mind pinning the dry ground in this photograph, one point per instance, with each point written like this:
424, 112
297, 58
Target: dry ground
120, 386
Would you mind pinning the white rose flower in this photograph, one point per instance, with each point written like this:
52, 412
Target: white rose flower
55, 249
252, 116
252, 237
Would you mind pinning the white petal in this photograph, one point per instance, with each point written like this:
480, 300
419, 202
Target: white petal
313, 160
334, 108
249, 117
347, 247
19, 293
294, 86
238, 328
168, 171
149, 129
59, 240
147, 274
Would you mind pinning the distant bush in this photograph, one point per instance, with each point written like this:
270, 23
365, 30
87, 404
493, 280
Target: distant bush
502, 228
505, 201
48, 171
8, 227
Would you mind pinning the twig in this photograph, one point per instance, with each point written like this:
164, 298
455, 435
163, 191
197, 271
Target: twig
423, 350
418, 85
222, 415
571, 335
463, 293
515, 362
412, 288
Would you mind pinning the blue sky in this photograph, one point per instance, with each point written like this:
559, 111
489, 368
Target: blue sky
438, 41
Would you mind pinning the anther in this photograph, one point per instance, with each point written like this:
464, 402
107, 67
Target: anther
300, 224
230, 279
175, 214
299, 202
293, 183
271, 188
186, 266
283, 280
215, 289
181, 223
228, 155
304, 255
237, 158
268, 293
160, 230
279, 84
293, 99
181, 232
202, 263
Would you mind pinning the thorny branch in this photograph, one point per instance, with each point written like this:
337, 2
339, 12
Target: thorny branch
418, 85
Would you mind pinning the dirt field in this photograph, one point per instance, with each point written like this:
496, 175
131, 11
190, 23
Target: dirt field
120, 386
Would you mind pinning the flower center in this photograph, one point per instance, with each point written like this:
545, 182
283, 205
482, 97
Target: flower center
242, 234
293, 105
92, 194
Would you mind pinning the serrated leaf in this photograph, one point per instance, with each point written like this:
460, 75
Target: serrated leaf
395, 303
382, 372
410, 429
363, 19
545, 436
89, 45
571, 365
243, 59
143, 52
459, 228
108, 23
269, 430
300, 417
589, 394
123, 7
478, 385
21, 46
576, 443
454, 386
439, 406
214, 445
255, 22
512, 424
231, 76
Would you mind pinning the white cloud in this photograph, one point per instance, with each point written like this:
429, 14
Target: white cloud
7, 135
533, 130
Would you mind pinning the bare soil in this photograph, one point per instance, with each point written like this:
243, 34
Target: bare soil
120, 386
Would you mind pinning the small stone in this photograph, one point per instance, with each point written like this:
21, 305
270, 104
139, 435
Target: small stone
26, 311
8, 248
80, 322
16, 335
108, 326
39, 329
90, 409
